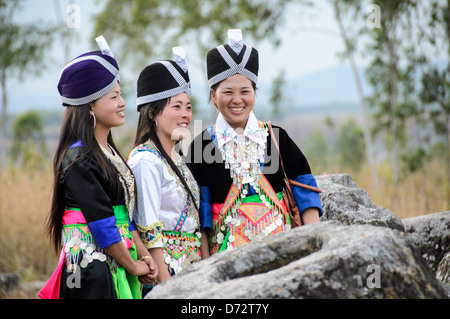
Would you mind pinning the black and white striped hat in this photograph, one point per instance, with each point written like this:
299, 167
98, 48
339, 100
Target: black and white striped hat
232, 58
164, 79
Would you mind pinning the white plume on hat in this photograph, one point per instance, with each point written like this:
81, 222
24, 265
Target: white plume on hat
104, 47
180, 57
235, 40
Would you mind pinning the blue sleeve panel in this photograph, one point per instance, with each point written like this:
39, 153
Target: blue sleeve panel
105, 231
306, 198
205, 210
132, 226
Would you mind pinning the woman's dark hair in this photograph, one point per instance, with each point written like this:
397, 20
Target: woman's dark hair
146, 130
76, 126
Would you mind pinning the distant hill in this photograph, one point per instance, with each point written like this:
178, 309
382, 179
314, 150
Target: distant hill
325, 86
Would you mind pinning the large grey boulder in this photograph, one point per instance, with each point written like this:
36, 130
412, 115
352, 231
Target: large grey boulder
344, 202
431, 235
324, 260
443, 271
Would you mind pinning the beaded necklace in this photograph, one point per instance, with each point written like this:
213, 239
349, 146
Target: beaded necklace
243, 156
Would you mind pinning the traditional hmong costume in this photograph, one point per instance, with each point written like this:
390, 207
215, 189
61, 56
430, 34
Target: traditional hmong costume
166, 214
240, 175
97, 208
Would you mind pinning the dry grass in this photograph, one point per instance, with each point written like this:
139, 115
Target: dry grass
25, 201
24, 205
420, 193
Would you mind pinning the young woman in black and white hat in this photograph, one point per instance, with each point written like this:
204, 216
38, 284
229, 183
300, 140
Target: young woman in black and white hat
236, 166
168, 195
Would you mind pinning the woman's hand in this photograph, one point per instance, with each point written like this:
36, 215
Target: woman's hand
153, 270
120, 253
140, 268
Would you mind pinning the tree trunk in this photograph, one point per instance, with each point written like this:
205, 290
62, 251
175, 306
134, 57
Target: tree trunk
3, 119
447, 190
366, 119
393, 100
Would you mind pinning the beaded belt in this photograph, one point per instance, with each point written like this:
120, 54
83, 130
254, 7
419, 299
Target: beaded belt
78, 241
180, 249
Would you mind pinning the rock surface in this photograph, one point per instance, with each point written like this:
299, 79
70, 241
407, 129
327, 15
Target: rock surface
443, 271
325, 260
8, 281
358, 250
431, 235
344, 202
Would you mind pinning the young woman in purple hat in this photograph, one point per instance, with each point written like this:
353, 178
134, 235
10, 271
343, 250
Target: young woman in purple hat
91, 218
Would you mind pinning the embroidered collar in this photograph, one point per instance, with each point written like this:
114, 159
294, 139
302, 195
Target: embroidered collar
126, 178
226, 133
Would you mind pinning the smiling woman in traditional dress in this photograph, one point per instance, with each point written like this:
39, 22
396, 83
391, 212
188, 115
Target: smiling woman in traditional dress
94, 191
167, 212
236, 166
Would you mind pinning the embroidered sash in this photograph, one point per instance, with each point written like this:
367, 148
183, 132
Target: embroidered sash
239, 221
183, 216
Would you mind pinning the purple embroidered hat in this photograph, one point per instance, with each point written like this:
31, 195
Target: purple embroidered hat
88, 77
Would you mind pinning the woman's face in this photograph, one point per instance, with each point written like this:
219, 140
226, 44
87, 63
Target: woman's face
235, 98
174, 120
109, 109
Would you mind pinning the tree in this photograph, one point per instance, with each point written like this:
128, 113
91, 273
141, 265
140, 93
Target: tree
393, 73
435, 92
142, 29
28, 148
350, 54
276, 94
318, 151
22, 49
350, 145
395, 62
